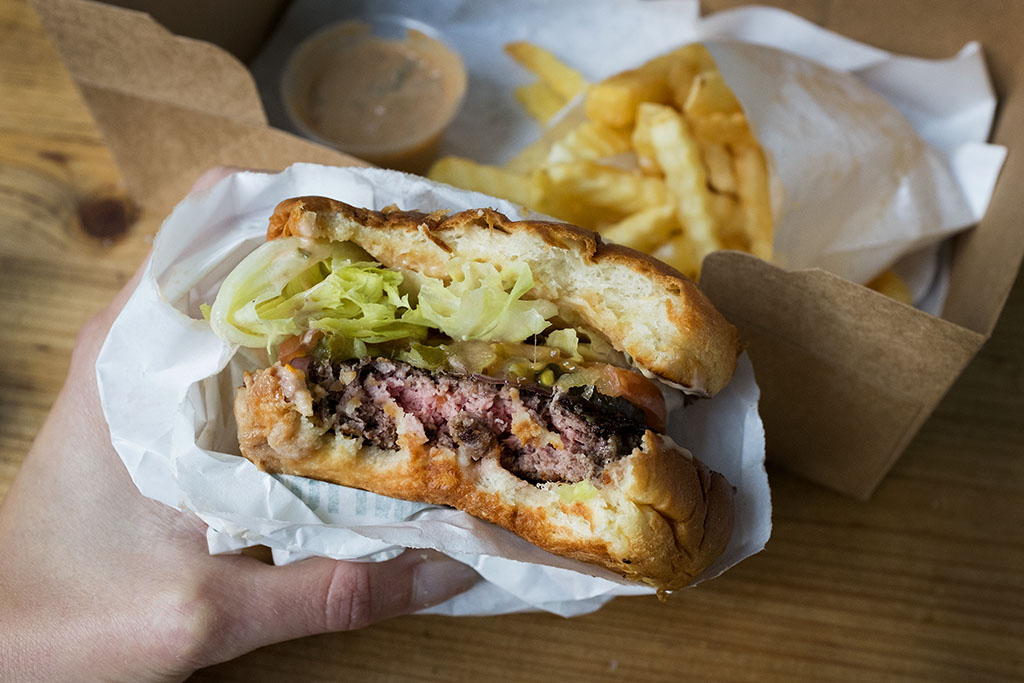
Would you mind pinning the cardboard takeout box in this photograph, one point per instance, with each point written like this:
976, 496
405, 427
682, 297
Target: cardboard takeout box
847, 375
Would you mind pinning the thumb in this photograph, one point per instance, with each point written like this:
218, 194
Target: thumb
270, 604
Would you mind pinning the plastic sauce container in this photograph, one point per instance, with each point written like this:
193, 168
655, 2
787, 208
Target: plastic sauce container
382, 89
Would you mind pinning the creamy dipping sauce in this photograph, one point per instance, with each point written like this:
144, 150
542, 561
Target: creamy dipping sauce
386, 100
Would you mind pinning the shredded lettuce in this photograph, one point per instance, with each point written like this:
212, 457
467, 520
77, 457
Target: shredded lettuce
289, 285
483, 303
566, 341
594, 349
424, 357
580, 492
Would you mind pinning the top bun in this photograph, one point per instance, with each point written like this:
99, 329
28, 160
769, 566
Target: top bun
645, 308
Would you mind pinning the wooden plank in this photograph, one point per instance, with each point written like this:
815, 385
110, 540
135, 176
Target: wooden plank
54, 171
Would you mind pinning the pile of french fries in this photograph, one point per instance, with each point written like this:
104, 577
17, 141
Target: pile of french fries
660, 158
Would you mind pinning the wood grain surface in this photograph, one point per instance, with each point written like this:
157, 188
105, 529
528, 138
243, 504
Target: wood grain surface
925, 581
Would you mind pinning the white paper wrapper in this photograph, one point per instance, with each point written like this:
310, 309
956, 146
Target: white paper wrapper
878, 157
167, 385
860, 187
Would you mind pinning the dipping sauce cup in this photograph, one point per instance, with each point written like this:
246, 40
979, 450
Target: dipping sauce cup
381, 88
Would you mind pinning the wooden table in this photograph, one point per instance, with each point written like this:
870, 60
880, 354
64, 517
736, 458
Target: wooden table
925, 581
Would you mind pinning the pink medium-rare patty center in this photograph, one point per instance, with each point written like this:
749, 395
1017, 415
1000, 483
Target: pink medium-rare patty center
571, 437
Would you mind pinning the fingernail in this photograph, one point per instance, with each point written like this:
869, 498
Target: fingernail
438, 578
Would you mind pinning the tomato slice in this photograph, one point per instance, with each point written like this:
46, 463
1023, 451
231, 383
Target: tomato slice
638, 390
612, 380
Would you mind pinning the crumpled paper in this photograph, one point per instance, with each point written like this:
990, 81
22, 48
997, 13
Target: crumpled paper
167, 385
878, 157
860, 189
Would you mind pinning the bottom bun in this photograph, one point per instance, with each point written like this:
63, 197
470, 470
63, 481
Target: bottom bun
657, 515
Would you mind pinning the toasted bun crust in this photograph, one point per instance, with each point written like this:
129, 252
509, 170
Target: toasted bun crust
657, 515
645, 308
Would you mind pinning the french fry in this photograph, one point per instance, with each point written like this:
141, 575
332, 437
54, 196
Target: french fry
679, 253
893, 286
644, 230
560, 77
686, 63
540, 100
614, 100
546, 196
710, 95
643, 145
723, 129
732, 230
588, 141
591, 194
555, 197
714, 112
753, 191
718, 163
491, 180
609, 188
535, 155
677, 152
530, 157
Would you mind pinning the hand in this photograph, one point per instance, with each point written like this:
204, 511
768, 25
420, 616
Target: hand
99, 583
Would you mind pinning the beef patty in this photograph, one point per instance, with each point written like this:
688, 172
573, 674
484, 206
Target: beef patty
579, 435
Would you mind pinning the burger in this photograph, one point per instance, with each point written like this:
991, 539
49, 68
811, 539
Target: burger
515, 370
